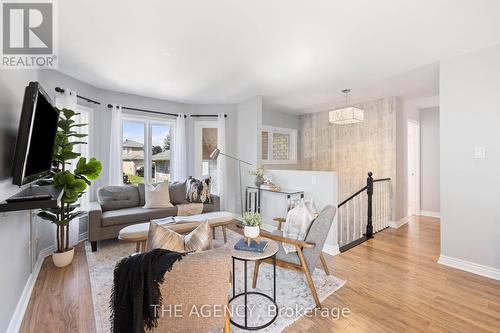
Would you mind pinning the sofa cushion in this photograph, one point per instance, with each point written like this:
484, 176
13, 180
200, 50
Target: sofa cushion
178, 193
118, 197
207, 208
135, 215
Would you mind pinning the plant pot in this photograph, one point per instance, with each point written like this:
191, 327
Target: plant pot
251, 232
259, 180
62, 259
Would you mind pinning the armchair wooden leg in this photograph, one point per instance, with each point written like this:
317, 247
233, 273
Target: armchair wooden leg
227, 322
224, 234
255, 273
213, 233
323, 262
308, 277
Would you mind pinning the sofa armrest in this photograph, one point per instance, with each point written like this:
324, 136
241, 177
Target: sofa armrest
216, 202
95, 215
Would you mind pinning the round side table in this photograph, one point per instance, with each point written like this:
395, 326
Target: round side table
246, 256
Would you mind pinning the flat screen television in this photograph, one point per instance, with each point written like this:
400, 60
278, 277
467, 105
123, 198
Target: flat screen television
35, 137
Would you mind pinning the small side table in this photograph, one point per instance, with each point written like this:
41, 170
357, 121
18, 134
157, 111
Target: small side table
246, 256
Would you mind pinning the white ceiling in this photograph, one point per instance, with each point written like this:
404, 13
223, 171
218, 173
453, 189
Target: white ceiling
297, 54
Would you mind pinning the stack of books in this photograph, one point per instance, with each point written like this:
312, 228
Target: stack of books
254, 246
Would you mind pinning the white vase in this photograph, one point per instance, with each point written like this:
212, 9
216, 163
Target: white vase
62, 259
251, 232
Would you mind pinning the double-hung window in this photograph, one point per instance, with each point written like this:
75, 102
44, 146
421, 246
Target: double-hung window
278, 145
146, 149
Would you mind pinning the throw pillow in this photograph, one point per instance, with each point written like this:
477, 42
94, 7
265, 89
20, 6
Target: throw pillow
198, 190
161, 237
178, 193
157, 196
297, 223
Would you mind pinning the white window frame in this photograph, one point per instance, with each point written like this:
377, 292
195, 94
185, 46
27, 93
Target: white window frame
293, 133
199, 125
148, 123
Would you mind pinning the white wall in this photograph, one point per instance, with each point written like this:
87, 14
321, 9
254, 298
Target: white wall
470, 191
429, 161
320, 186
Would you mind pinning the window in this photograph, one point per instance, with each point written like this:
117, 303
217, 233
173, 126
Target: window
206, 140
278, 145
145, 150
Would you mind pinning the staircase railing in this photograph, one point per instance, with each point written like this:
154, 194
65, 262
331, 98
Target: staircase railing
365, 212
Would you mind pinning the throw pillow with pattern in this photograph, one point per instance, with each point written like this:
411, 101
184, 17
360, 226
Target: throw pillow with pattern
198, 190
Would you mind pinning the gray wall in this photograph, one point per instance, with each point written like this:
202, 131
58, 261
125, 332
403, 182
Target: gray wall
14, 227
429, 160
470, 191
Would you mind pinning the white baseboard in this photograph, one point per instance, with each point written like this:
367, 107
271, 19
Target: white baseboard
331, 249
399, 223
83, 236
22, 304
464, 265
430, 214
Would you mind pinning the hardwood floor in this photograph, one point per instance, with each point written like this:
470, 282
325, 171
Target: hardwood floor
393, 285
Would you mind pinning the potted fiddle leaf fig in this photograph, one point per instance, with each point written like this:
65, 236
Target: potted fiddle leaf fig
74, 179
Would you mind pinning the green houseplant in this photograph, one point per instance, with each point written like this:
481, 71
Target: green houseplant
73, 178
251, 223
259, 176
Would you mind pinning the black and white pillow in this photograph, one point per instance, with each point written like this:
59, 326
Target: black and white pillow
198, 190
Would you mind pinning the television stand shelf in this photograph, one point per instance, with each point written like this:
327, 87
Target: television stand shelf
36, 192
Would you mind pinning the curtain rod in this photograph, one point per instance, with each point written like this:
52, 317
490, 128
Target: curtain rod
148, 111
206, 115
61, 90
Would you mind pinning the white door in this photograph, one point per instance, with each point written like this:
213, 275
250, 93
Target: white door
413, 168
205, 141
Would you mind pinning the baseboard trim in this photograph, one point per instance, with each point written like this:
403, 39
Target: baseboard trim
430, 214
399, 223
22, 304
332, 250
83, 236
471, 267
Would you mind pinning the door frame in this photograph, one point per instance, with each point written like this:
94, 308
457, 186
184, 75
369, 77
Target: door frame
416, 150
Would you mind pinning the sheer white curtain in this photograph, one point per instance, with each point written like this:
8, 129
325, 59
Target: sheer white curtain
179, 157
115, 176
68, 100
221, 161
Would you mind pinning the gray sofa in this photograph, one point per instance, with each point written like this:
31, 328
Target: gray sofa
121, 206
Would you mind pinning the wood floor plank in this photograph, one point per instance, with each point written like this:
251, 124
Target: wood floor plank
394, 284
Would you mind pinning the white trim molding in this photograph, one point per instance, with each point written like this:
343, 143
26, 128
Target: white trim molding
428, 213
22, 304
399, 223
464, 265
331, 249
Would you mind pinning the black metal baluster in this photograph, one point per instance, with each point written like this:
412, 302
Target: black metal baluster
369, 192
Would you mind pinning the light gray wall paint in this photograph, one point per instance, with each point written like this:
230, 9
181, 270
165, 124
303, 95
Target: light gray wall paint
470, 191
404, 112
280, 119
429, 160
14, 227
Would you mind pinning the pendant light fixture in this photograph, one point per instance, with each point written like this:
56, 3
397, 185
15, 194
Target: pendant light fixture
348, 114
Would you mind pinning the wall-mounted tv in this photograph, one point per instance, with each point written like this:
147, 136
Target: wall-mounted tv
35, 137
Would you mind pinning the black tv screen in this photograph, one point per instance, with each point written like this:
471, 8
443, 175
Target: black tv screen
36, 136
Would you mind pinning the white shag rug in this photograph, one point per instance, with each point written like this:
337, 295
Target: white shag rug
292, 293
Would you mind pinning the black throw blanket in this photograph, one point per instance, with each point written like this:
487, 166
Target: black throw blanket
136, 287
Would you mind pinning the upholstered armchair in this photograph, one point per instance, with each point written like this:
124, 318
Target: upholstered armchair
308, 252
195, 293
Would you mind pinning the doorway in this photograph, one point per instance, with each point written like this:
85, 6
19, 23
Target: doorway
413, 168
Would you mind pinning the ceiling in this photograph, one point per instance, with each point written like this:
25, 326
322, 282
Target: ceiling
297, 54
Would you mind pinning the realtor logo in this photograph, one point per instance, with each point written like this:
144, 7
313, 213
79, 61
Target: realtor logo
28, 35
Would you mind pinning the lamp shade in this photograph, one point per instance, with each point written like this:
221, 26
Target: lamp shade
347, 115
215, 154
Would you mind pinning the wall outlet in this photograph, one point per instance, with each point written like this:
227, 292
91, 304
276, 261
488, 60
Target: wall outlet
479, 152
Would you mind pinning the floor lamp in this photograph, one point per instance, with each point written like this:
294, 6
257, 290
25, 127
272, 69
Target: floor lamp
215, 154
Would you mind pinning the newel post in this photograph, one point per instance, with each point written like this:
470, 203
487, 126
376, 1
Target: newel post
369, 191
